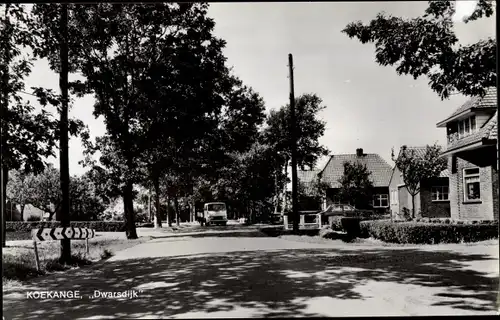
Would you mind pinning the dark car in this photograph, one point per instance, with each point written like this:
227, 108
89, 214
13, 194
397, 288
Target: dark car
345, 210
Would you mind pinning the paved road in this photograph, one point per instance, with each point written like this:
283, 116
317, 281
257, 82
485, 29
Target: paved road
248, 275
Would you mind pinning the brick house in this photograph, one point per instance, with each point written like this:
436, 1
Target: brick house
433, 199
472, 158
380, 175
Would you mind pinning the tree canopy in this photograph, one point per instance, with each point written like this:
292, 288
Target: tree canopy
356, 184
428, 46
309, 129
416, 168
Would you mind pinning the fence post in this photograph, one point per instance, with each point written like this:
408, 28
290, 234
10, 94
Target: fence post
302, 220
285, 221
37, 260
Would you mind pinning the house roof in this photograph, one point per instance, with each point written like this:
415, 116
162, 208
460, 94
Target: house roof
420, 152
445, 173
486, 132
488, 102
307, 179
380, 170
307, 175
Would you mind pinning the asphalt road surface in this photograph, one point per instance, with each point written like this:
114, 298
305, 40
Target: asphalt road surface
245, 274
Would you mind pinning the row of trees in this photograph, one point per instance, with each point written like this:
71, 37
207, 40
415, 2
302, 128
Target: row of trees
178, 121
43, 192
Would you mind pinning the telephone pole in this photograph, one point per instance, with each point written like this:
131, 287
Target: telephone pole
295, 212
64, 215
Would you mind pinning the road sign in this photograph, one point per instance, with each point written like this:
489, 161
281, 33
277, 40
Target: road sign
47, 234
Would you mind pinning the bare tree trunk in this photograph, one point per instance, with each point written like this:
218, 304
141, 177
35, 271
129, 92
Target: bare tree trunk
169, 214
157, 217
284, 187
149, 205
4, 109
128, 205
176, 208
413, 206
64, 217
192, 209
5, 178
276, 193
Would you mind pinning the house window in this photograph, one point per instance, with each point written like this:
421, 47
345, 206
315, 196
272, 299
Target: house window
471, 185
439, 193
466, 126
473, 123
380, 200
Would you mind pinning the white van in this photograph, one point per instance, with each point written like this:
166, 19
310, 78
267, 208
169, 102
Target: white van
215, 213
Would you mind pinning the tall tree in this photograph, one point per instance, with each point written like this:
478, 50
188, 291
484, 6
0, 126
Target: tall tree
26, 137
114, 175
356, 184
46, 191
59, 43
416, 168
309, 129
224, 112
20, 189
428, 46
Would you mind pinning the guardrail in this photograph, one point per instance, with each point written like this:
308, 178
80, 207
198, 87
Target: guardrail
316, 224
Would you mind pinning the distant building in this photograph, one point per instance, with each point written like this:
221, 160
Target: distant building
380, 170
432, 200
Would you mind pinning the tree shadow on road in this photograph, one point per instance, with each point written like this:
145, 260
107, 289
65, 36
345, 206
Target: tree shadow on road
275, 283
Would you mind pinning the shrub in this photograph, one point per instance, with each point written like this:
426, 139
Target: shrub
146, 225
102, 226
351, 226
427, 233
406, 214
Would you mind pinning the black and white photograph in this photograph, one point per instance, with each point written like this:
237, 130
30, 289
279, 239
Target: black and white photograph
194, 160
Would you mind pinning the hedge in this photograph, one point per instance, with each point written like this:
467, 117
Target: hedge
102, 226
428, 233
337, 221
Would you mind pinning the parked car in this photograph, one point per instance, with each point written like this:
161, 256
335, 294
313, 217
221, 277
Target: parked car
345, 210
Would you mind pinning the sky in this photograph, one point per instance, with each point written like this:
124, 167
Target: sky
367, 106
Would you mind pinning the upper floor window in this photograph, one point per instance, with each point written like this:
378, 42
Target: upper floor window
466, 126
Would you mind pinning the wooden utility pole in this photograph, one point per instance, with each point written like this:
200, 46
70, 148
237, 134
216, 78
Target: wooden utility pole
295, 212
4, 108
64, 216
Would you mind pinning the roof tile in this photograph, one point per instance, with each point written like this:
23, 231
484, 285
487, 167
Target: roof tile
487, 102
420, 152
307, 178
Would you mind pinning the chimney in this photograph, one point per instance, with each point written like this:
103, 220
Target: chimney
359, 152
